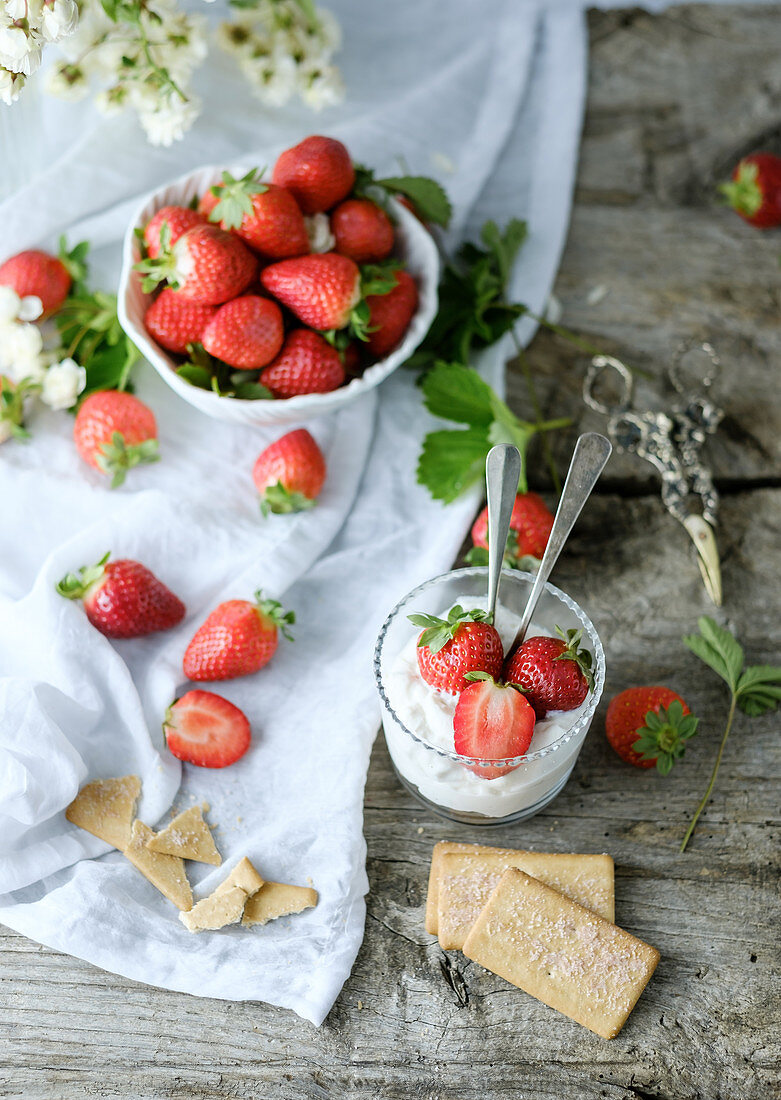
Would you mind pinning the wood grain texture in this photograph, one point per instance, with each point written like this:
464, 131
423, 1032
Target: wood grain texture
674, 98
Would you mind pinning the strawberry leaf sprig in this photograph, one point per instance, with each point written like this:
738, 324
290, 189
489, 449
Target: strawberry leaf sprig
428, 198
454, 459
754, 690
209, 373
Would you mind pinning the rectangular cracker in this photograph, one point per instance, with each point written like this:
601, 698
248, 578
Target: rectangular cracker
216, 911
164, 872
561, 953
187, 836
105, 808
466, 879
278, 899
243, 875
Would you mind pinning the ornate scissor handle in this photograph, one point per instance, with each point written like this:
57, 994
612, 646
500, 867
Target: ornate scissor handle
597, 366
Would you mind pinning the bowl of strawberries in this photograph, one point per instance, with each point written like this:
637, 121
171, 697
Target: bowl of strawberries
275, 301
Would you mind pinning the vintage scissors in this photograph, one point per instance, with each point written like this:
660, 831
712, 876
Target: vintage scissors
671, 442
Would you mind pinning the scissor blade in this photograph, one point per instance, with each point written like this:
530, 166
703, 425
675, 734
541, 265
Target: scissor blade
701, 534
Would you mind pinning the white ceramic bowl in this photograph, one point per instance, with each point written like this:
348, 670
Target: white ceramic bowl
414, 245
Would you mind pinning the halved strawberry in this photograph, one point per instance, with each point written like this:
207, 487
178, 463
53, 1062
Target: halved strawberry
492, 721
205, 729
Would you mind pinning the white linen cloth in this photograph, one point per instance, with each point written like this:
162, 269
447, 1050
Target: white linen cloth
496, 89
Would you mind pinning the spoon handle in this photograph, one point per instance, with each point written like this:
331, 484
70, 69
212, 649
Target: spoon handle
502, 471
592, 451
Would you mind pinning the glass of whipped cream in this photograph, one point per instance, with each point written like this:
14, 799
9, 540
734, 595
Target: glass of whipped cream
418, 720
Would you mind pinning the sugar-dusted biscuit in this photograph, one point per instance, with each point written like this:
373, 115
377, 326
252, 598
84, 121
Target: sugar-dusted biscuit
105, 808
561, 953
165, 872
277, 899
187, 836
216, 911
243, 875
467, 877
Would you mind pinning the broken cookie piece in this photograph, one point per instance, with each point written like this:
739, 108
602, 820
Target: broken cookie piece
163, 871
277, 899
243, 875
105, 808
187, 836
216, 911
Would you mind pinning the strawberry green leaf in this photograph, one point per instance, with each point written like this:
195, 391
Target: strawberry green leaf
280, 501
718, 649
458, 393
427, 196
451, 461
195, 375
235, 197
438, 632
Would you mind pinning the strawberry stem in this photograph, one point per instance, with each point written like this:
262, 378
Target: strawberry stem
709, 791
74, 586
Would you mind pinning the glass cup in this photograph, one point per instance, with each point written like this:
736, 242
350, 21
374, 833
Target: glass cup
434, 773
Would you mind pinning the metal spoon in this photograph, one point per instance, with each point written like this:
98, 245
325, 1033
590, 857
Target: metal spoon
592, 451
502, 471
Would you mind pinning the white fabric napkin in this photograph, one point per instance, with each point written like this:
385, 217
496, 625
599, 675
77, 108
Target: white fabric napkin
496, 89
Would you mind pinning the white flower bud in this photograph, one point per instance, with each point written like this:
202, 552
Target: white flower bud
11, 85
30, 308
62, 384
9, 305
318, 230
59, 19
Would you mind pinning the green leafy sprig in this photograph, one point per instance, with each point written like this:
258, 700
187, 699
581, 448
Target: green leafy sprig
754, 690
208, 373
428, 198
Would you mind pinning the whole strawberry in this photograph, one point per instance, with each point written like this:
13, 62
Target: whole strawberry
450, 648
37, 273
390, 314
177, 219
246, 333
290, 473
306, 364
318, 171
555, 673
265, 216
123, 599
115, 431
206, 264
755, 190
174, 321
205, 729
237, 638
530, 528
492, 721
649, 726
362, 230
322, 290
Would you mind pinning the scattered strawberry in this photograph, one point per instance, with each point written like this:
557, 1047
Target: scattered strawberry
178, 219
246, 333
206, 264
115, 431
322, 290
649, 726
290, 473
39, 274
530, 527
450, 648
554, 673
205, 729
318, 171
306, 364
237, 638
174, 321
265, 216
123, 599
362, 230
390, 314
492, 721
755, 190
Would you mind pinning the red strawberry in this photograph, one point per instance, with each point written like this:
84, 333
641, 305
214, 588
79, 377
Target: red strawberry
322, 290
318, 171
530, 526
265, 216
390, 314
351, 359
174, 321
755, 190
246, 333
306, 364
123, 599
237, 638
178, 220
115, 431
649, 725
290, 473
205, 729
39, 274
363, 231
492, 721
450, 648
555, 673
206, 264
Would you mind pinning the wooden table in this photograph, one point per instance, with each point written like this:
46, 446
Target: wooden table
652, 258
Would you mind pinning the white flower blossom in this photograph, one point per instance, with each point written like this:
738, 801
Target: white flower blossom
21, 352
20, 50
11, 85
30, 308
320, 85
68, 82
59, 19
62, 384
318, 230
10, 303
273, 78
171, 119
